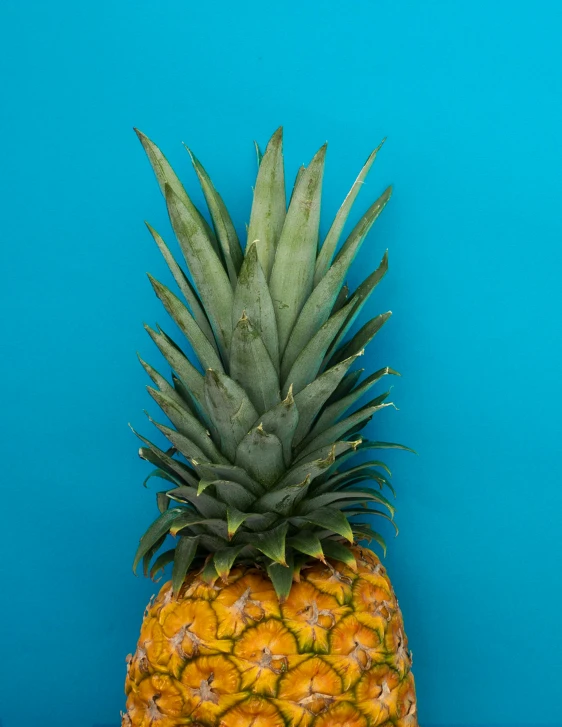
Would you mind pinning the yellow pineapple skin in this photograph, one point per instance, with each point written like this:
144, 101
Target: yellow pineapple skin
334, 654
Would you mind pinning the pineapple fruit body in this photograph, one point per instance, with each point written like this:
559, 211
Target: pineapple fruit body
274, 616
334, 654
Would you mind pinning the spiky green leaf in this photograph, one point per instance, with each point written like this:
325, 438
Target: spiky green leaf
261, 454
183, 557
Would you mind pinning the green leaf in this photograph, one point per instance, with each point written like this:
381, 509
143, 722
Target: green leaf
365, 532
162, 474
308, 543
322, 452
331, 242
331, 519
252, 296
259, 155
156, 456
346, 385
209, 573
282, 501
341, 299
269, 205
204, 350
360, 297
190, 519
183, 444
309, 469
151, 552
252, 368
234, 518
165, 175
319, 305
206, 505
329, 498
272, 543
334, 411
188, 399
352, 473
226, 234
224, 560
185, 552
362, 338
352, 512
310, 359
162, 501
312, 442
230, 409
185, 286
293, 268
186, 424
261, 454
282, 420
206, 268
231, 493
188, 374
161, 383
337, 551
312, 398
300, 172
159, 528
213, 471
161, 562
367, 444
282, 577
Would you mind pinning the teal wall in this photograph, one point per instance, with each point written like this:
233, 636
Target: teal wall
470, 96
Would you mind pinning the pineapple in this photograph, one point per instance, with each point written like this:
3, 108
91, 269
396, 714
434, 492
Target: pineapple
275, 615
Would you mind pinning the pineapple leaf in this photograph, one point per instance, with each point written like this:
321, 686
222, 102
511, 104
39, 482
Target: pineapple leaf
204, 350
311, 399
232, 493
183, 444
362, 338
162, 384
269, 205
271, 543
209, 573
229, 472
360, 298
259, 155
252, 296
234, 518
206, 505
162, 499
308, 543
165, 175
337, 448
331, 242
293, 268
147, 557
187, 373
311, 469
311, 443
161, 562
310, 359
335, 410
156, 456
367, 444
188, 291
186, 424
159, 528
283, 500
329, 498
282, 577
230, 409
183, 557
261, 454
354, 472
226, 234
319, 305
252, 368
346, 385
282, 421
224, 559
206, 268
365, 532
337, 551
342, 298
331, 519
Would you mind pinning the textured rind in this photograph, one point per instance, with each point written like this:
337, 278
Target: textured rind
231, 655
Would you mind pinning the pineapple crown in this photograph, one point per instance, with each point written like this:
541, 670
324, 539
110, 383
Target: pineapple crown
258, 470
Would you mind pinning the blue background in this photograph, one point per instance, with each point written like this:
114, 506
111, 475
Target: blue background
470, 97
